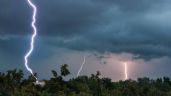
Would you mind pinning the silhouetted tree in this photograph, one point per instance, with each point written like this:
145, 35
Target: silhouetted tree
12, 83
64, 70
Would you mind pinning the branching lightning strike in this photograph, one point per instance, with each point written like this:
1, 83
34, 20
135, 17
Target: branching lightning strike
81, 66
31, 4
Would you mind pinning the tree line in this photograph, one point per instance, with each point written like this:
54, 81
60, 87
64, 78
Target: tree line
13, 83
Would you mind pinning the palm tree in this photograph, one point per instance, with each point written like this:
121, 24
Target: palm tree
64, 70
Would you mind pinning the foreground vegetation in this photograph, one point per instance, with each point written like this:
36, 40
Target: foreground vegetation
12, 83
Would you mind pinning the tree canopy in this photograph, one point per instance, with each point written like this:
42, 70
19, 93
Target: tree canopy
13, 83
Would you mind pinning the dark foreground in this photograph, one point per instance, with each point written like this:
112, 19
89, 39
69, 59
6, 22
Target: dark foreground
12, 83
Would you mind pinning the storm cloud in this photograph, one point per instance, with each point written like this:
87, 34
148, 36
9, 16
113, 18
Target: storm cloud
139, 27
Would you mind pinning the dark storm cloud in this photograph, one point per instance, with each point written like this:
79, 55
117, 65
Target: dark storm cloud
141, 27
14, 17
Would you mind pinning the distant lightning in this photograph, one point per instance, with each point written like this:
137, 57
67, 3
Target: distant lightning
81, 66
31, 4
126, 69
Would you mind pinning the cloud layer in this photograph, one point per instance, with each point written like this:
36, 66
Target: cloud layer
138, 27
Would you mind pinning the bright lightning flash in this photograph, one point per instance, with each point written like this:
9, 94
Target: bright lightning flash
126, 70
81, 66
32, 37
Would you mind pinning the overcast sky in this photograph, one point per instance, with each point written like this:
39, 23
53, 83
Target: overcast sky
107, 32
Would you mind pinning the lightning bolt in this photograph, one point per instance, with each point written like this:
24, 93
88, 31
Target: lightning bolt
31, 4
126, 73
81, 66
